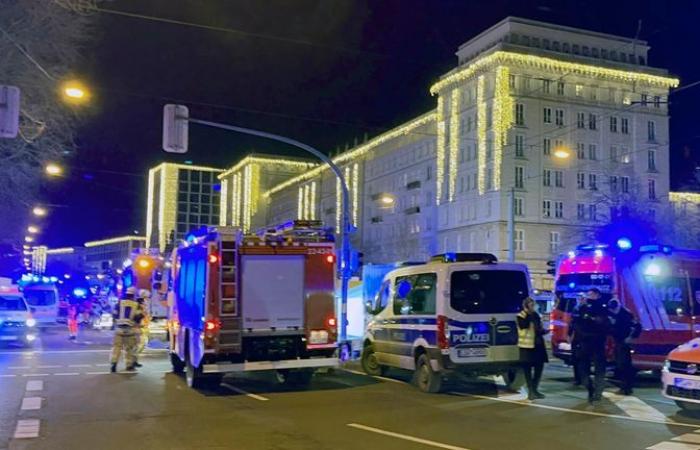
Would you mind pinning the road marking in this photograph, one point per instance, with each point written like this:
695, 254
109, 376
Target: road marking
36, 374
40, 352
246, 393
31, 403
102, 365
673, 446
19, 367
392, 380
405, 437
27, 428
577, 411
65, 374
693, 438
48, 367
35, 385
98, 373
634, 407
356, 372
79, 365
7, 375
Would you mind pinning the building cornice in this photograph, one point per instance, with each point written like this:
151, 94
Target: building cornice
115, 240
252, 159
688, 197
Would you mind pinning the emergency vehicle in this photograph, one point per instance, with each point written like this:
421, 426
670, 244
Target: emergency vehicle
145, 272
42, 297
16, 322
660, 285
455, 315
254, 302
681, 375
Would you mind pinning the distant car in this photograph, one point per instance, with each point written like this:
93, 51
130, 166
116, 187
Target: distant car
681, 375
16, 322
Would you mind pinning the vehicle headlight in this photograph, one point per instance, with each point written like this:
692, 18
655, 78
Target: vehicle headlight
666, 366
31, 322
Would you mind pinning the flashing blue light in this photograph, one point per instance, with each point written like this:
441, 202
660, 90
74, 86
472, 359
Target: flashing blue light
598, 253
26, 277
624, 244
79, 292
35, 279
450, 257
652, 269
127, 262
66, 276
44, 279
53, 279
572, 285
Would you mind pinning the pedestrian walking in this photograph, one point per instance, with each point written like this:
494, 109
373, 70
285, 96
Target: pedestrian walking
624, 328
591, 328
533, 353
127, 316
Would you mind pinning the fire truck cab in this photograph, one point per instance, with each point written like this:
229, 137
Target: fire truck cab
254, 302
660, 285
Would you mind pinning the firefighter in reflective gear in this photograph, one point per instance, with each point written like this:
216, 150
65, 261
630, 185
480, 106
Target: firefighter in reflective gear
143, 326
591, 328
533, 353
127, 316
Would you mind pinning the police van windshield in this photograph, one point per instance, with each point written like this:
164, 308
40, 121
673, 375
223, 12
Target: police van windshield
8, 303
40, 298
488, 291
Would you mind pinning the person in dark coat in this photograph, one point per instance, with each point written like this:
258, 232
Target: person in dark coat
533, 353
624, 328
575, 344
591, 328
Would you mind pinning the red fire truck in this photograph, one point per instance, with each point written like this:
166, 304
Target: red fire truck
254, 302
660, 285
145, 272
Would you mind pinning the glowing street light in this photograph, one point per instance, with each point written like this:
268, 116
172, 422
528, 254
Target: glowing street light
75, 92
53, 170
28, 239
32, 229
39, 211
387, 199
562, 153
26, 247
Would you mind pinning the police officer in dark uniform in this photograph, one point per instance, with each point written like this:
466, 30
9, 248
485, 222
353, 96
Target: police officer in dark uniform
591, 328
580, 300
624, 328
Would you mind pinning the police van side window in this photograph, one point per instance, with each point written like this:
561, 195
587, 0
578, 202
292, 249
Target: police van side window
415, 294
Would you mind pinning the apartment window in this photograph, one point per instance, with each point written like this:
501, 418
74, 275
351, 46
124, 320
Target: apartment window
592, 212
580, 120
511, 81
519, 240
581, 180
547, 117
558, 178
560, 88
469, 123
592, 121
519, 177
547, 146
625, 156
592, 182
592, 152
657, 101
625, 125
554, 242
580, 150
546, 86
519, 114
579, 90
613, 124
651, 160
559, 210
593, 92
559, 117
519, 145
547, 177
613, 153
428, 172
645, 99
489, 179
612, 94
518, 206
613, 184
546, 208
651, 130
652, 189
580, 211
625, 184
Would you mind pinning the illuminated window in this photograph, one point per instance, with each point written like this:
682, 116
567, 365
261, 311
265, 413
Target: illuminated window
519, 240
579, 90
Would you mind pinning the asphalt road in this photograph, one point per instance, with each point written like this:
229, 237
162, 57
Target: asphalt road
63, 397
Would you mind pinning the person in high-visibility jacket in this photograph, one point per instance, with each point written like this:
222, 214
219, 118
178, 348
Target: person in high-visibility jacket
127, 316
533, 353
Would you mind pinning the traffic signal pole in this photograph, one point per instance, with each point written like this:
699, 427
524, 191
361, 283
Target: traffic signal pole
346, 247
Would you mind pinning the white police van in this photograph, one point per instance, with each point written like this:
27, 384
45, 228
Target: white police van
454, 315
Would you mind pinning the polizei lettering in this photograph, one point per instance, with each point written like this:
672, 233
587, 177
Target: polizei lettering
465, 338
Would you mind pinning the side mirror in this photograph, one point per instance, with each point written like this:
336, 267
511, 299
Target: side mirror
369, 308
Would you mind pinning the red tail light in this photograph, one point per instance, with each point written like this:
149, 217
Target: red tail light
443, 333
330, 259
331, 322
213, 258
211, 325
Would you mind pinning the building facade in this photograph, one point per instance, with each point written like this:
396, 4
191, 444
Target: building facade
109, 254
180, 198
561, 126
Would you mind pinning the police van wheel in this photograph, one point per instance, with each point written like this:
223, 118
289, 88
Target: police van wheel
370, 364
514, 379
176, 363
425, 377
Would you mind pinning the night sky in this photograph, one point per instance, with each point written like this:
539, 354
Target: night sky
327, 72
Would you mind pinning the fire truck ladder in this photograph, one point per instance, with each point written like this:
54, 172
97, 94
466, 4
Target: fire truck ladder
230, 332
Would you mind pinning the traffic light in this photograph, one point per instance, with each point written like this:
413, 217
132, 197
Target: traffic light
553, 265
356, 261
9, 111
175, 128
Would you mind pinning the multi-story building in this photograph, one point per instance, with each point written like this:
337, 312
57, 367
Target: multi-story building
107, 254
243, 184
561, 125
181, 197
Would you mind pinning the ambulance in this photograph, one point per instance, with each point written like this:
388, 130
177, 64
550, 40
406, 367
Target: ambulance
681, 375
254, 302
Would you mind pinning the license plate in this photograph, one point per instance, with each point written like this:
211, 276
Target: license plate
686, 383
8, 338
472, 352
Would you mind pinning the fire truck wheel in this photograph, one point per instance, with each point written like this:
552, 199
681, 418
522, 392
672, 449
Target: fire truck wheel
426, 379
198, 380
176, 362
370, 364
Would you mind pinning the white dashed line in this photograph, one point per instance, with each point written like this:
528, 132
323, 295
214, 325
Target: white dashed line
634, 407
7, 375
98, 373
19, 367
35, 385
27, 428
693, 438
65, 374
36, 374
48, 367
79, 365
673, 446
31, 403
246, 393
406, 437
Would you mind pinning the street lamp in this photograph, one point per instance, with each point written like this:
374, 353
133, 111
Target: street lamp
387, 199
32, 229
53, 170
28, 239
75, 92
559, 153
39, 211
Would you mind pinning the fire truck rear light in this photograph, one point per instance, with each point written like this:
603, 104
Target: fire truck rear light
213, 259
330, 259
211, 325
332, 322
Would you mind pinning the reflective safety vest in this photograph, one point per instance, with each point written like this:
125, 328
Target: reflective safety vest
127, 310
526, 336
